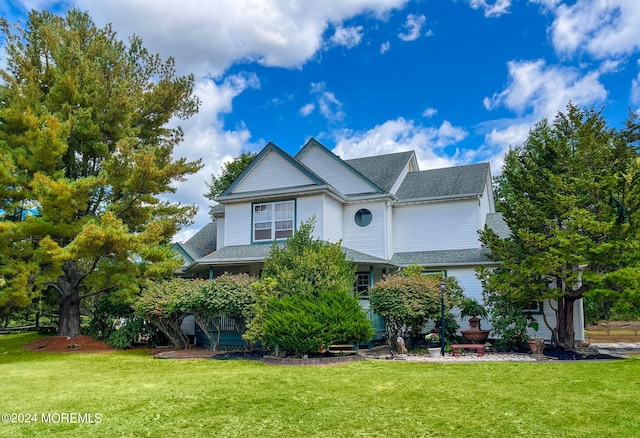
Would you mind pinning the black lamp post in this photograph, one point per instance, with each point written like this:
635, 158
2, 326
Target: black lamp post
442, 317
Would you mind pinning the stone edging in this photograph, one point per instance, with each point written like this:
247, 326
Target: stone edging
272, 360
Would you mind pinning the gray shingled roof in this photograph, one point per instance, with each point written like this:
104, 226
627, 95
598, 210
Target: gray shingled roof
238, 253
497, 224
203, 242
258, 252
445, 183
383, 170
216, 210
441, 258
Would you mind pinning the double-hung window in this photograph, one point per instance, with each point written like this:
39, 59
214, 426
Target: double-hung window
361, 285
273, 220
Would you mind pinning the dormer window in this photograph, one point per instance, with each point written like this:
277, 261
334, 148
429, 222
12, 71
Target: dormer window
273, 220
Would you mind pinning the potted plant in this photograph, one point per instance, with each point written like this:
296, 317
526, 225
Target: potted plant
471, 309
432, 339
433, 344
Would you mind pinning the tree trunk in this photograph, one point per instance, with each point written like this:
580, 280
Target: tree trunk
565, 332
38, 311
68, 286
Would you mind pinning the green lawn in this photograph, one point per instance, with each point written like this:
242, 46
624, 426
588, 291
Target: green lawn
136, 395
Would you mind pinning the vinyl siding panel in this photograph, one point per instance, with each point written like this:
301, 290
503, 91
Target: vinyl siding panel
328, 214
472, 287
306, 208
467, 280
485, 208
220, 232
370, 239
336, 174
389, 231
272, 172
240, 216
333, 225
437, 226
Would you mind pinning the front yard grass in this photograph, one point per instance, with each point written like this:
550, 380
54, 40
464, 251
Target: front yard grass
136, 395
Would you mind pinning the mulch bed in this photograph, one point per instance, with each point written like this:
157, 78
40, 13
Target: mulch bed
85, 344
589, 354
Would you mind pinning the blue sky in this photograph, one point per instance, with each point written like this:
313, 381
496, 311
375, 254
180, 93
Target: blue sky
458, 81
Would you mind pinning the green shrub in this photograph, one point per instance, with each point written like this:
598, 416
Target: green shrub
411, 299
163, 305
303, 324
117, 325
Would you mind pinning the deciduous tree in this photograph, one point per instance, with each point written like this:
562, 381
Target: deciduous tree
407, 301
229, 172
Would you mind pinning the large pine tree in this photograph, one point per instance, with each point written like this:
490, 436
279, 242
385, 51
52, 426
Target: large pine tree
86, 150
567, 195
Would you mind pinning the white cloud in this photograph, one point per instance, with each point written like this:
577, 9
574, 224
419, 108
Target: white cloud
207, 37
347, 36
328, 104
541, 90
491, 9
307, 109
402, 135
413, 27
547, 4
602, 28
384, 47
206, 138
429, 112
536, 91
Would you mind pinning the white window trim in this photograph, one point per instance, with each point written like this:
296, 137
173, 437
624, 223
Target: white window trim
273, 220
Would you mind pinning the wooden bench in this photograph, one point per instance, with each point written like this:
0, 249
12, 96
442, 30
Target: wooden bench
478, 347
342, 349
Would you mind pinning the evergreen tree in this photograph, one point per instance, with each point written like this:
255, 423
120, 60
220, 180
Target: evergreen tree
305, 297
85, 151
566, 195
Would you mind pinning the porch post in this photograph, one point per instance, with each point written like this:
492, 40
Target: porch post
210, 272
442, 317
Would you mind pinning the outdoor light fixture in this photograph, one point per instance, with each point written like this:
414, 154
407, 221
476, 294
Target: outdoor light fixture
442, 317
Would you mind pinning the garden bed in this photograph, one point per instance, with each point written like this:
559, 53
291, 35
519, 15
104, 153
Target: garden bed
85, 344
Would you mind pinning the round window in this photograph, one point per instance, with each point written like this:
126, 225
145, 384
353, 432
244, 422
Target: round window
363, 217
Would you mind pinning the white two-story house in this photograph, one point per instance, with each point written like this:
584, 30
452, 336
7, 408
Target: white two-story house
387, 213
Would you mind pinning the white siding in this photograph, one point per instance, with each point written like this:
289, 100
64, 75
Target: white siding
272, 172
389, 230
333, 225
332, 171
370, 239
429, 227
239, 215
306, 208
220, 232
472, 288
328, 213
467, 280
485, 208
